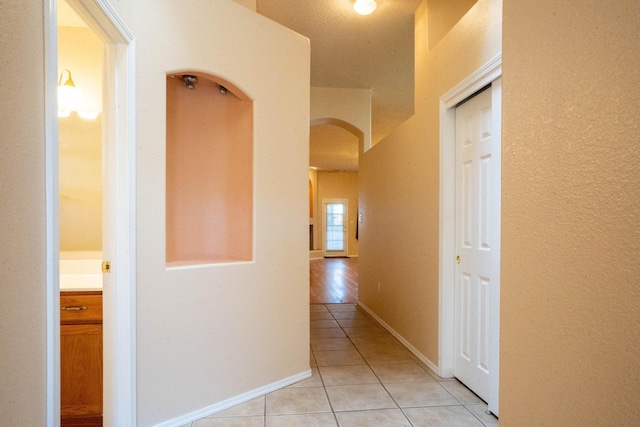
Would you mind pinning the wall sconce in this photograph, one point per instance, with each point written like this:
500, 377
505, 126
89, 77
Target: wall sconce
69, 96
365, 7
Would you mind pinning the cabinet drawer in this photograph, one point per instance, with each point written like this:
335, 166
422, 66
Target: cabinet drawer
76, 307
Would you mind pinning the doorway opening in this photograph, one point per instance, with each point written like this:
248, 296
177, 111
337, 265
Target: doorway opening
335, 146
80, 64
117, 226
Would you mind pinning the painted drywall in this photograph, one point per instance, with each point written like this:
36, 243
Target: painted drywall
340, 185
208, 334
399, 184
23, 291
209, 157
313, 219
80, 143
570, 207
443, 15
344, 107
250, 4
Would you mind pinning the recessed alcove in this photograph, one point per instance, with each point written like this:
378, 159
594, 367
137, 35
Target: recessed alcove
209, 171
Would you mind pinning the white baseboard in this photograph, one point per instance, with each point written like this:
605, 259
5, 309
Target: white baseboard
221, 406
400, 338
317, 254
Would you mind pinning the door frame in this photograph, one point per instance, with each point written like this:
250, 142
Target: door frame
119, 375
345, 202
489, 73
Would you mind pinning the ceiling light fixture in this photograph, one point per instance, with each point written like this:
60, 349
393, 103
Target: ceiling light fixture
365, 7
69, 95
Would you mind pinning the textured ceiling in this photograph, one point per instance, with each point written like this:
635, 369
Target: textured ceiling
352, 51
347, 51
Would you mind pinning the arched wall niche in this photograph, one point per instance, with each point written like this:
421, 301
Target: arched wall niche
209, 171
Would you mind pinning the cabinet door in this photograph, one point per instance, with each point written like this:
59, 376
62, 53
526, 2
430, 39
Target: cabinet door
81, 372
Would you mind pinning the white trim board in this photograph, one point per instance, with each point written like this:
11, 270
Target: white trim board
485, 75
52, 214
226, 404
400, 338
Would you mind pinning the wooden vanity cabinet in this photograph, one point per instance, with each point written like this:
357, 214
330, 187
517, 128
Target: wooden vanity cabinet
81, 358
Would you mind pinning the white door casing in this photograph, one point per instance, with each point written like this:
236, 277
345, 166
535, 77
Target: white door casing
489, 73
118, 210
474, 136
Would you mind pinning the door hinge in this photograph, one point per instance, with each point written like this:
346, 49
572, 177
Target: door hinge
106, 266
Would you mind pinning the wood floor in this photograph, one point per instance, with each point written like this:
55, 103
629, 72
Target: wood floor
334, 280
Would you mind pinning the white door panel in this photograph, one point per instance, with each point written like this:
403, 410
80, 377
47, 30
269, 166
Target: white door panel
474, 139
335, 230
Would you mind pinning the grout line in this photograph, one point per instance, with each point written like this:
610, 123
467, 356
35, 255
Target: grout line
374, 373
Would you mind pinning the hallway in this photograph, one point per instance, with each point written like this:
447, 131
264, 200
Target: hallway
362, 375
333, 280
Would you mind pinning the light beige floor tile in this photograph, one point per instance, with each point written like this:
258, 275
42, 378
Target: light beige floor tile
326, 323
327, 333
300, 400
401, 373
318, 308
346, 375
230, 422
489, 420
349, 315
338, 357
432, 372
428, 393
370, 343
313, 381
371, 331
320, 315
376, 417
341, 307
461, 392
306, 420
359, 397
331, 344
361, 322
443, 416
249, 408
386, 355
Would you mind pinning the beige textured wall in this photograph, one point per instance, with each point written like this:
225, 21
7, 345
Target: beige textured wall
313, 220
250, 4
352, 106
443, 15
340, 185
212, 333
22, 216
399, 184
570, 208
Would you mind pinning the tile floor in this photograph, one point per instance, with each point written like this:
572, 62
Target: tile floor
362, 376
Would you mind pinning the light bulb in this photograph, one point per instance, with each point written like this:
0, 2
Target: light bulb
69, 96
365, 7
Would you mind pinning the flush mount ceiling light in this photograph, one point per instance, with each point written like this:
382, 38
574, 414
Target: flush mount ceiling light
365, 7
